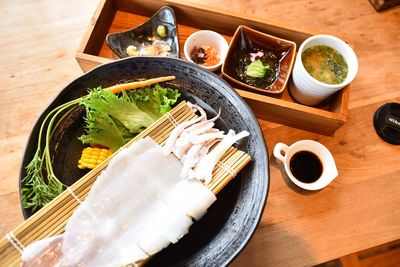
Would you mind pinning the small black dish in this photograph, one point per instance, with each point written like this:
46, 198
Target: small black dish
230, 222
119, 41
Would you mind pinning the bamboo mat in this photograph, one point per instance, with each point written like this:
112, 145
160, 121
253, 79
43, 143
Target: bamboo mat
51, 219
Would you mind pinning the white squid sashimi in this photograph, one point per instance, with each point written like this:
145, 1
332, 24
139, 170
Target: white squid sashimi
189, 161
207, 137
125, 155
175, 222
118, 257
117, 167
139, 206
185, 139
117, 252
158, 226
142, 231
191, 196
127, 215
138, 175
203, 171
170, 143
37, 247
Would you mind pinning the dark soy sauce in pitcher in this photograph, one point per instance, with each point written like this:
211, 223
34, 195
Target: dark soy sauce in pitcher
306, 166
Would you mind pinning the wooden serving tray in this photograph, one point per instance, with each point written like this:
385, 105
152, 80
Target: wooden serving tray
120, 15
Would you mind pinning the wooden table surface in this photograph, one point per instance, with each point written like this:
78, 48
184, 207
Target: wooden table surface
360, 209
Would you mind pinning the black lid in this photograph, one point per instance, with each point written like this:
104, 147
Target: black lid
387, 123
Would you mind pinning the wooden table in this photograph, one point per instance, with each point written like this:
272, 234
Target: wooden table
360, 209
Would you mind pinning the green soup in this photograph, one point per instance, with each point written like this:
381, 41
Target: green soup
325, 64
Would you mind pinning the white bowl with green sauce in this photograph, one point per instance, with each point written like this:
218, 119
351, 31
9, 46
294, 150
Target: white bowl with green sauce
324, 65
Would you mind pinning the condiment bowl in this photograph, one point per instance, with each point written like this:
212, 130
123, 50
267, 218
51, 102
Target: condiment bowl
119, 41
308, 90
203, 39
329, 170
246, 39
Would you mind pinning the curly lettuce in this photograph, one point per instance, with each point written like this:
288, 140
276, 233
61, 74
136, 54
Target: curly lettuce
112, 120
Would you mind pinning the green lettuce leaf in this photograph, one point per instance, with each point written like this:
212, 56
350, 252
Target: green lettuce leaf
112, 120
155, 101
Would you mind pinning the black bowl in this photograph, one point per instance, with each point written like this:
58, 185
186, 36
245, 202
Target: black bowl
228, 225
119, 41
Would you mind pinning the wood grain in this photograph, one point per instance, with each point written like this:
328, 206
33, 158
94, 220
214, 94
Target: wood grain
358, 210
387, 255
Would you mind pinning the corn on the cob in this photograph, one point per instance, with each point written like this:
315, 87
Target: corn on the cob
93, 156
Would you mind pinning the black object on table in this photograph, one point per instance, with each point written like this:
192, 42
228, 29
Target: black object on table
387, 123
380, 5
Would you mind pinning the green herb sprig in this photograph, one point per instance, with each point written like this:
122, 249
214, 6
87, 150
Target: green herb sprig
40, 185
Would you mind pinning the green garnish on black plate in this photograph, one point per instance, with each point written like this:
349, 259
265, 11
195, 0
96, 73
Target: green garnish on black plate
112, 119
258, 68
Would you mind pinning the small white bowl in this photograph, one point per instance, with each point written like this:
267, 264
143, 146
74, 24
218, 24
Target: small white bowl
308, 90
203, 39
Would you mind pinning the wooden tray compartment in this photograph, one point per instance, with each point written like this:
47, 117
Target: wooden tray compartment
119, 15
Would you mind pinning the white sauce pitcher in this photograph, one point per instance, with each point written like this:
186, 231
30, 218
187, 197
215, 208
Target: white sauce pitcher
284, 153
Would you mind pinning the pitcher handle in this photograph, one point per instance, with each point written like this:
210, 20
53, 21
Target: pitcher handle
278, 149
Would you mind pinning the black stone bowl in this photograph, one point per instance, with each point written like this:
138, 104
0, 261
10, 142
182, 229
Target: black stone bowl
230, 222
119, 41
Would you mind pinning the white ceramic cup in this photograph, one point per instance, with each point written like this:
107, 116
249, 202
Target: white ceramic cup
308, 90
284, 153
206, 38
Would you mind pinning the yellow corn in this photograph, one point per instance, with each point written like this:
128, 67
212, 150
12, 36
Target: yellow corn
93, 156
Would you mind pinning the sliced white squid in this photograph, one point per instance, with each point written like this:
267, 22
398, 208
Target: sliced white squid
112, 258
169, 144
116, 167
190, 159
123, 207
195, 108
203, 171
185, 140
125, 154
36, 248
188, 126
144, 232
207, 146
199, 139
177, 223
139, 176
205, 121
140, 203
191, 196
165, 221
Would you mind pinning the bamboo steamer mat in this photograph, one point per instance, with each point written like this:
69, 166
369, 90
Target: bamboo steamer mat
51, 219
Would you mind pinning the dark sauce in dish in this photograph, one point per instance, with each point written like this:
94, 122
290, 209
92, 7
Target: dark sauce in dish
306, 166
269, 66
